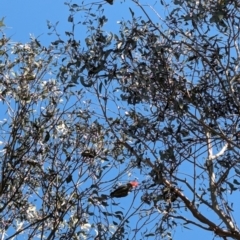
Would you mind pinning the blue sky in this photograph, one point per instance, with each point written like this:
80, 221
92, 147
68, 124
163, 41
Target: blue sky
26, 17
29, 17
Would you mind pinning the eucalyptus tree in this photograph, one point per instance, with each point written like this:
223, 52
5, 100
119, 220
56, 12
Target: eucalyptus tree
167, 86
47, 130
157, 101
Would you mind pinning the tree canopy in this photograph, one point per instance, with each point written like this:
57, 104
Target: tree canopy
156, 102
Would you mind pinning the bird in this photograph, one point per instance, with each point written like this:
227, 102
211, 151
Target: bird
110, 1
124, 190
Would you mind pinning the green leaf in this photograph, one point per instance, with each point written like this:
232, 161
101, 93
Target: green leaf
2, 22
131, 12
119, 212
69, 178
235, 181
115, 223
105, 204
70, 18
232, 187
237, 171
118, 216
84, 83
100, 87
150, 235
47, 137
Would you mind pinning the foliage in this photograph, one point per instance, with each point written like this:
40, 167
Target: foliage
158, 102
